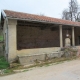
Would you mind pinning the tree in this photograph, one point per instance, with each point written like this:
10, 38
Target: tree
65, 15
72, 13
78, 17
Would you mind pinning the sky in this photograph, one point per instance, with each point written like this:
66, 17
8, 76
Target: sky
51, 8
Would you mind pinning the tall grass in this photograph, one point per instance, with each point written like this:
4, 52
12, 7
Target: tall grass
3, 63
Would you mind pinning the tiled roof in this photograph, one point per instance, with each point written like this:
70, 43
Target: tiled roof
20, 15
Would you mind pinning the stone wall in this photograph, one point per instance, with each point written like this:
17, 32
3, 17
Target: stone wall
33, 58
1, 49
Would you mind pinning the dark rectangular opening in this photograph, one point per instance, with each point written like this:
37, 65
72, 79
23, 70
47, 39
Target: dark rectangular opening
79, 39
37, 36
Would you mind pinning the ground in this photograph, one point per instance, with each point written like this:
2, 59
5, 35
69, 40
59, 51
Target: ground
68, 70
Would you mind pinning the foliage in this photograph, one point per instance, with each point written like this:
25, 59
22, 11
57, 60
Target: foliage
3, 63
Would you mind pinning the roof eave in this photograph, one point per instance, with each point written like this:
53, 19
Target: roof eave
4, 14
40, 21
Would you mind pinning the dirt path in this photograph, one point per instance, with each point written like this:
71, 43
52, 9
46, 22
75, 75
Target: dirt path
69, 70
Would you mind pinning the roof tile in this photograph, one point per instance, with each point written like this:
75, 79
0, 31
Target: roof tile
21, 15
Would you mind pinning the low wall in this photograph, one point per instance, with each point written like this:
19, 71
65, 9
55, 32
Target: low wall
37, 51
78, 47
29, 56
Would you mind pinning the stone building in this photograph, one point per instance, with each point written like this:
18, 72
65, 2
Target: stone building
33, 36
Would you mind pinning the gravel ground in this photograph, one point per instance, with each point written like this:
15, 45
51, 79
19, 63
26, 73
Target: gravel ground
69, 70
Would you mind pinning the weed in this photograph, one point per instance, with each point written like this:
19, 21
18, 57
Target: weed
8, 71
25, 70
3, 63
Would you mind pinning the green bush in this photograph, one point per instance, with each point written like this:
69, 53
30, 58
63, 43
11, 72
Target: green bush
3, 63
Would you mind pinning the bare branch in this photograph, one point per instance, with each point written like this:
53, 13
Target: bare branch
72, 11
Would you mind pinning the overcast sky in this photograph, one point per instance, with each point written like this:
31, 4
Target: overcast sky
52, 8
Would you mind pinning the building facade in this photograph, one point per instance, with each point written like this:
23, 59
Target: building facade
34, 36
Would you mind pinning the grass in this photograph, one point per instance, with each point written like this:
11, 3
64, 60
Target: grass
56, 61
48, 62
3, 63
